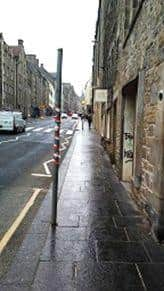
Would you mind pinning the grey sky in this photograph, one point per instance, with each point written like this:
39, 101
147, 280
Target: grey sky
46, 25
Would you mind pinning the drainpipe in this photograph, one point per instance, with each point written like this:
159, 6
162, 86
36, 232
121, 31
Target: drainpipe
16, 82
2, 72
159, 170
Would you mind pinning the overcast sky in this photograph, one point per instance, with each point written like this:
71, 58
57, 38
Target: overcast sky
46, 25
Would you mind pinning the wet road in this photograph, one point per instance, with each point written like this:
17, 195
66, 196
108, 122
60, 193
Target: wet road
25, 162
102, 241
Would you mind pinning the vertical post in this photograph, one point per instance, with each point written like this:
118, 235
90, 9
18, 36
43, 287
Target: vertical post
56, 155
2, 72
16, 81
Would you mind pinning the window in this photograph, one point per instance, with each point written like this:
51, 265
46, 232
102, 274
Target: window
135, 7
131, 7
135, 3
127, 15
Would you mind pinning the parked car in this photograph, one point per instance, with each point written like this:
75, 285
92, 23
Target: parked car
75, 116
64, 115
12, 121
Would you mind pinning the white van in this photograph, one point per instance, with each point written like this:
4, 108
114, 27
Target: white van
12, 121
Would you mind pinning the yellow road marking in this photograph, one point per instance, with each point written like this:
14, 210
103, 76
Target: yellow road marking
7, 236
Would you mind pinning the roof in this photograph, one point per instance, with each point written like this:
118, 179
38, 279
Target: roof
53, 74
15, 50
47, 75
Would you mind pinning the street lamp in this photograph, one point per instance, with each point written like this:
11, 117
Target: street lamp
56, 156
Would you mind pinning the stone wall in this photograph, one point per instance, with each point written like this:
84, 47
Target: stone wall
143, 53
135, 51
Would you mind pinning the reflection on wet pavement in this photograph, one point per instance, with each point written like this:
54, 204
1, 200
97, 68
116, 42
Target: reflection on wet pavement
100, 231
102, 241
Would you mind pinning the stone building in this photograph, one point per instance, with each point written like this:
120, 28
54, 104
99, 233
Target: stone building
7, 76
128, 65
35, 82
88, 97
70, 100
19, 58
51, 79
65, 98
41, 86
23, 83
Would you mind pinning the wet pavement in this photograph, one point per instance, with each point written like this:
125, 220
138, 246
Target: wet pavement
102, 241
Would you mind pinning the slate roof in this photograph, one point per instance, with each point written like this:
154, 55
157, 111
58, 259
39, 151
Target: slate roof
47, 75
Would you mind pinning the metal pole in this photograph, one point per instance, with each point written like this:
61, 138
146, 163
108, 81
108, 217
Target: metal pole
56, 155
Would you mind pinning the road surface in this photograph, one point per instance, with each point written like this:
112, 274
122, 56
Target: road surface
25, 165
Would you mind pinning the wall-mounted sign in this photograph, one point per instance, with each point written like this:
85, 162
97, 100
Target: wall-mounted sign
101, 95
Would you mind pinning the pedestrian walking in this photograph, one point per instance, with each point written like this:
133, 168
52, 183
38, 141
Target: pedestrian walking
82, 121
89, 118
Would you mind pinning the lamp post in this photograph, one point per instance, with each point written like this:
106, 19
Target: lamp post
56, 156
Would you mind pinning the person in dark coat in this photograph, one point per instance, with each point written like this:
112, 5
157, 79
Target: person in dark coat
89, 118
82, 120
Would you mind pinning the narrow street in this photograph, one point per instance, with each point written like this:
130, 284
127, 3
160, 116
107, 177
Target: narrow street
82, 145
102, 241
26, 165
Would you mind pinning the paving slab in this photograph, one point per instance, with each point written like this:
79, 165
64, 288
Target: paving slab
128, 208
68, 219
54, 276
25, 263
116, 251
142, 233
22, 272
102, 209
107, 276
73, 205
155, 250
69, 233
62, 250
124, 221
93, 221
152, 275
108, 233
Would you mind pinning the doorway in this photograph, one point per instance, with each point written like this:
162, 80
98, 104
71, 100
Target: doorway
129, 124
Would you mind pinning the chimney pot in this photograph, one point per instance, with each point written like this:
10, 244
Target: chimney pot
20, 42
1, 35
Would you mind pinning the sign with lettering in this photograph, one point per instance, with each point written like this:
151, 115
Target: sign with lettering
101, 95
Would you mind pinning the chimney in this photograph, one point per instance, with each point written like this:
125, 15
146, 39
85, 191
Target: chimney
42, 66
31, 58
20, 42
1, 36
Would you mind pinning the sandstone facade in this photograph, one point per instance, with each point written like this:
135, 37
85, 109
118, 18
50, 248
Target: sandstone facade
129, 62
23, 83
7, 75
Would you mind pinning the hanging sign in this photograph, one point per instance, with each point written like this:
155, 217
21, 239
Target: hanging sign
101, 95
